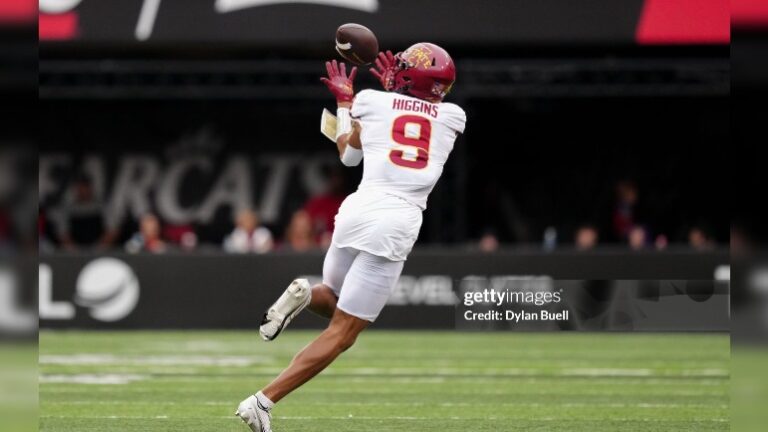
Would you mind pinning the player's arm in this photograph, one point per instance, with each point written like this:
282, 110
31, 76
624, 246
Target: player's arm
347, 134
348, 138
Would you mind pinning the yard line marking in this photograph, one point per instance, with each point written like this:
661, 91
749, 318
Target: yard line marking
604, 372
411, 372
422, 404
95, 379
351, 417
157, 360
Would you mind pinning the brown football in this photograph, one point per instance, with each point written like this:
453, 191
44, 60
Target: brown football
357, 44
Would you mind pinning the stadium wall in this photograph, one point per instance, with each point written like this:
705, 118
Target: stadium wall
673, 291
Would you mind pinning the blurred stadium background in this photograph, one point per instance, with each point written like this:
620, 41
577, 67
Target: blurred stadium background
591, 124
595, 161
594, 152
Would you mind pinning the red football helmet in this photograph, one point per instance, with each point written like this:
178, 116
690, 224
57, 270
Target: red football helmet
425, 71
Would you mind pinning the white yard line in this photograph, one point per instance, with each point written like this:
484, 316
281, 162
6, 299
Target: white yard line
95, 379
351, 417
421, 404
158, 360
261, 362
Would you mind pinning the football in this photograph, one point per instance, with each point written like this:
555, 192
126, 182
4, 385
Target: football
356, 44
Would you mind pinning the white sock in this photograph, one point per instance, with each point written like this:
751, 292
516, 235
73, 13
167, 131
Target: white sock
264, 401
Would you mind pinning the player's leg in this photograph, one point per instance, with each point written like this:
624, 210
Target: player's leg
365, 292
337, 338
335, 267
320, 299
323, 301
255, 410
368, 285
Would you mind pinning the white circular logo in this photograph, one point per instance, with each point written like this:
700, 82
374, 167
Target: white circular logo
109, 288
57, 6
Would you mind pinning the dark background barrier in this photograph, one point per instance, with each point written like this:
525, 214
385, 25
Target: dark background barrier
659, 291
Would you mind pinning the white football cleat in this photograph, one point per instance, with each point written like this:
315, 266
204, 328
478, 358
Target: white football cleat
258, 418
295, 298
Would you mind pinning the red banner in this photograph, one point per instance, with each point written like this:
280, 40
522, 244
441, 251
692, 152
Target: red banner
18, 11
58, 27
750, 14
684, 22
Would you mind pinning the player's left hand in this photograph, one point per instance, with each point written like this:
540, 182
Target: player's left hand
385, 70
338, 82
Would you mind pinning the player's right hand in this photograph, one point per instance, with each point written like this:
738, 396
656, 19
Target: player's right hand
338, 82
385, 70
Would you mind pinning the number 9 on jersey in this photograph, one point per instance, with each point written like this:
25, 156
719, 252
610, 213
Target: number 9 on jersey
411, 133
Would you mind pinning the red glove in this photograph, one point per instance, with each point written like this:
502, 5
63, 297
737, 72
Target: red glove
338, 82
386, 66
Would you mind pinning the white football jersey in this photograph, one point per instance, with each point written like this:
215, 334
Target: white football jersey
406, 142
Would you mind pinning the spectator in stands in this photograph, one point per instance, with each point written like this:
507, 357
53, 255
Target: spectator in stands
623, 218
488, 242
637, 238
299, 236
44, 243
586, 237
148, 238
322, 208
661, 242
81, 219
248, 236
739, 240
700, 239
182, 236
6, 242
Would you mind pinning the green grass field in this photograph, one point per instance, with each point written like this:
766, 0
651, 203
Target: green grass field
18, 386
390, 381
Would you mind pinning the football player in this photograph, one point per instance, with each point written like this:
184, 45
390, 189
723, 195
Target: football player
403, 136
